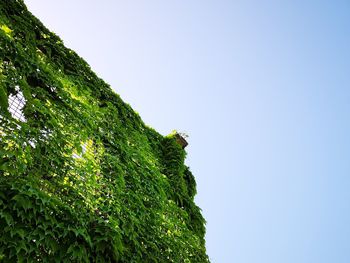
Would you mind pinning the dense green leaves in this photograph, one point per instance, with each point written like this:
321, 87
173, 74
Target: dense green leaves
82, 178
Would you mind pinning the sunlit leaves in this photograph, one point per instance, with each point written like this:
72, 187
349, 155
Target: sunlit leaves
6, 29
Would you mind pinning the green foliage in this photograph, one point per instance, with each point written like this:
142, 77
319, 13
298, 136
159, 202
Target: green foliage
83, 179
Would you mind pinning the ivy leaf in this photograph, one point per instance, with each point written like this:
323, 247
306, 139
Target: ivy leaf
6, 29
4, 103
21, 246
23, 202
4, 164
7, 216
20, 232
77, 251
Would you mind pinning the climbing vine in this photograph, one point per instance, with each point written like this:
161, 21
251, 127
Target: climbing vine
82, 178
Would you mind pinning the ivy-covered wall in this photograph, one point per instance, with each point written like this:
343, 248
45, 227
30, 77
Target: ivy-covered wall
82, 178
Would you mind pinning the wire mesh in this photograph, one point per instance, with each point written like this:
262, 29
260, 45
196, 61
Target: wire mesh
16, 103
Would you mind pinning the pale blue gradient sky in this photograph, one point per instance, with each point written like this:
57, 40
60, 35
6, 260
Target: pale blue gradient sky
263, 90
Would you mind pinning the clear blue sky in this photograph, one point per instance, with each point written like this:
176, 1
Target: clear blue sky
263, 90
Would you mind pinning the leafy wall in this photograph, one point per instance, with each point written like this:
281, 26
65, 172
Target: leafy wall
82, 178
